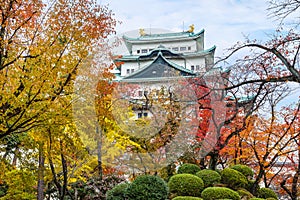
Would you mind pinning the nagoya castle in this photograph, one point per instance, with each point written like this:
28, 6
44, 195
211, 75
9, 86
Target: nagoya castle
153, 59
180, 51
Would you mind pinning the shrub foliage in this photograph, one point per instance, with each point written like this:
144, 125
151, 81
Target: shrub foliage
185, 185
209, 177
266, 193
187, 198
213, 193
188, 168
247, 171
147, 187
118, 192
244, 194
234, 179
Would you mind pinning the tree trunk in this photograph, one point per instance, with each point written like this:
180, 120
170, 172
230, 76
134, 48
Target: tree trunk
15, 158
55, 180
65, 171
214, 157
99, 151
40, 188
295, 180
255, 185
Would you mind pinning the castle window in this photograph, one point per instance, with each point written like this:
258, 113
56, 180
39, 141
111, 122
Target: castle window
127, 71
132, 70
144, 50
197, 67
182, 48
189, 48
138, 51
175, 48
192, 67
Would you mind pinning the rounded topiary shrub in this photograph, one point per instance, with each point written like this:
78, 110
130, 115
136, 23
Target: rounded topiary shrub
187, 198
212, 193
118, 192
209, 177
244, 194
185, 185
247, 171
147, 187
266, 193
234, 179
188, 168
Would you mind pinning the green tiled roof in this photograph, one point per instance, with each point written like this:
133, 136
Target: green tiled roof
164, 36
179, 67
158, 79
173, 65
128, 58
136, 57
241, 98
206, 51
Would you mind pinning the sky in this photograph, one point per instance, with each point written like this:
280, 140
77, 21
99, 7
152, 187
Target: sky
225, 21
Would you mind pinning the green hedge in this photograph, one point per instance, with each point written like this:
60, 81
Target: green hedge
185, 185
266, 193
213, 193
209, 177
147, 187
245, 170
188, 168
234, 179
187, 198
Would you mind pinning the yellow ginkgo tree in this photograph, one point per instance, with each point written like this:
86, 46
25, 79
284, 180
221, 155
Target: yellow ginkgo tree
42, 45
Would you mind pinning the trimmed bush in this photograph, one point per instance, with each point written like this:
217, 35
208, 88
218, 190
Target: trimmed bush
213, 193
186, 198
244, 194
118, 192
234, 179
247, 171
266, 193
209, 177
256, 198
185, 185
188, 168
147, 187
